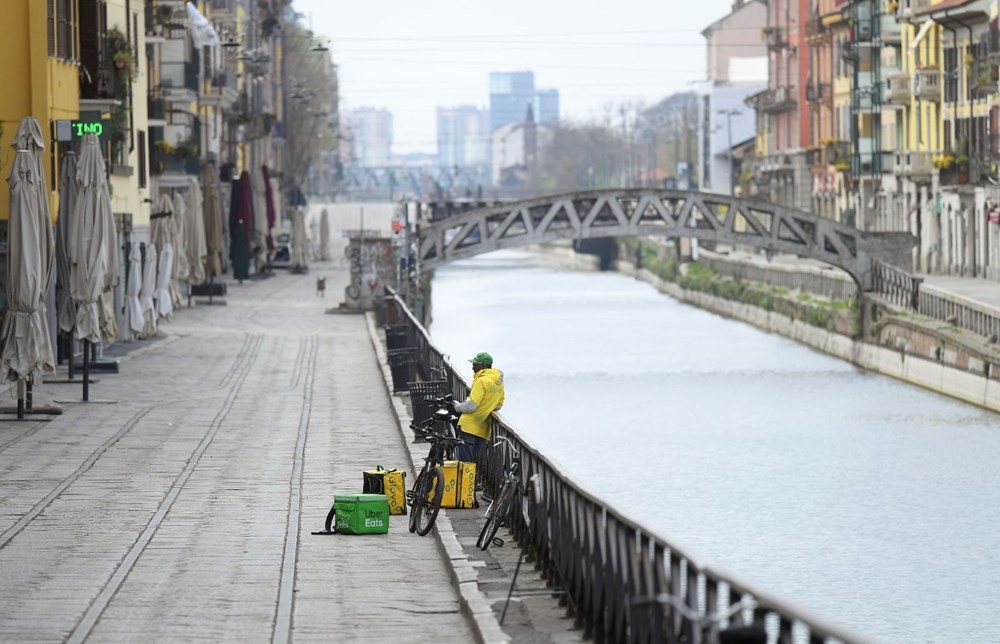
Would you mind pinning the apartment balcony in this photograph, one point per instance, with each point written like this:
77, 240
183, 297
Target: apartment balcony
920, 5
223, 10
815, 27
179, 82
897, 89
890, 31
775, 99
156, 109
993, 45
926, 84
220, 91
817, 92
774, 38
984, 79
916, 165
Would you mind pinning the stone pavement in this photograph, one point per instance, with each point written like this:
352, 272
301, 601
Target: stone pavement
178, 504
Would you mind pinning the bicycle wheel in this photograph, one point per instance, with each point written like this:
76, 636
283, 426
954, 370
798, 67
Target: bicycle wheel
496, 514
427, 502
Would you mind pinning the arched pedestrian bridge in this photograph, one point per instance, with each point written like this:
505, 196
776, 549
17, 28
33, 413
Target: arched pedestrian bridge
662, 213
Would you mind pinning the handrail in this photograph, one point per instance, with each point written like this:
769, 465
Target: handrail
602, 558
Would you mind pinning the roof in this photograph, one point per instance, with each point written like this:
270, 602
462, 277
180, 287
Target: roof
715, 25
969, 8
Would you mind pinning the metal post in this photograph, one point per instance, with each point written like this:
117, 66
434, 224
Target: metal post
86, 370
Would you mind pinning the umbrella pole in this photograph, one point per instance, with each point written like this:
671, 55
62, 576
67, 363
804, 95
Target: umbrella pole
27, 396
211, 288
20, 399
69, 352
86, 370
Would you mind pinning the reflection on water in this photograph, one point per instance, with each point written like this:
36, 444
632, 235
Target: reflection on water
871, 502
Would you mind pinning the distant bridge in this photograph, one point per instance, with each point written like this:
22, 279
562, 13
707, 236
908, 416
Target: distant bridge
662, 213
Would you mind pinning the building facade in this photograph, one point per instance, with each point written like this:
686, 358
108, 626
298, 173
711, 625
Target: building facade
736, 68
370, 131
463, 136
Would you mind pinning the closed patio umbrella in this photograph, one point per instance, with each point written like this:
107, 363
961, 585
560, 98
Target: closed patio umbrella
27, 352
161, 234
212, 214
259, 217
148, 291
134, 320
240, 222
324, 236
271, 210
194, 228
90, 257
67, 204
299, 241
179, 270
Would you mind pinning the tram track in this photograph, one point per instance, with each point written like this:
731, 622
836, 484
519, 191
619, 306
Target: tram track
94, 611
282, 632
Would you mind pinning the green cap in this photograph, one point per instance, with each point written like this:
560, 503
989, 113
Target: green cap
482, 358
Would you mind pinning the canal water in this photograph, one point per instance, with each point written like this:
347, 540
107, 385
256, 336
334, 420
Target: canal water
870, 502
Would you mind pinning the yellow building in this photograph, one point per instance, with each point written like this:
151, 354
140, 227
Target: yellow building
39, 76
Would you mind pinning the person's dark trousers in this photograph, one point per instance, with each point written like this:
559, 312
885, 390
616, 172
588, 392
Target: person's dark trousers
468, 453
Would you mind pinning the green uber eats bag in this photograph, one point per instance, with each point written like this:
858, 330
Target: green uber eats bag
358, 514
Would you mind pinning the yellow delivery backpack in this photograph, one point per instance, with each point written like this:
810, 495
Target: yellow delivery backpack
391, 483
459, 485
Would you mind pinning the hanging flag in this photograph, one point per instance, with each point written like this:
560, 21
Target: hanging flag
202, 32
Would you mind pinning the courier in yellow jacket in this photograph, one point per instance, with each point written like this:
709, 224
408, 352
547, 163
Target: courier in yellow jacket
486, 396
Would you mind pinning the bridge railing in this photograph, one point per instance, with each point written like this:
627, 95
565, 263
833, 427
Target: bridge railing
603, 559
898, 287
954, 309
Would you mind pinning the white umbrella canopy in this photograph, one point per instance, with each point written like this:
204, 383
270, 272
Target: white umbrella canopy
67, 204
148, 291
90, 257
260, 227
180, 267
212, 219
134, 320
162, 236
299, 240
324, 236
27, 352
194, 227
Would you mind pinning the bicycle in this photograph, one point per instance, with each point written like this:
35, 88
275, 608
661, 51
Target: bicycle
503, 504
710, 625
424, 498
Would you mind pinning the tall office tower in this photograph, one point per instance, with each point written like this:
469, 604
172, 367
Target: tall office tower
546, 106
371, 136
463, 135
510, 95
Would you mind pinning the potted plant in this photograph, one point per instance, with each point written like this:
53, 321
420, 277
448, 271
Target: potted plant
121, 54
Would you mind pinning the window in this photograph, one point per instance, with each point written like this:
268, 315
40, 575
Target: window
61, 25
142, 158
950, 74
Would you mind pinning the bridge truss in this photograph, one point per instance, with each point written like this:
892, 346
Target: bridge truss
663, 213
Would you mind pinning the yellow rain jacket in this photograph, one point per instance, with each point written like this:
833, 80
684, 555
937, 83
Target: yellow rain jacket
487, 395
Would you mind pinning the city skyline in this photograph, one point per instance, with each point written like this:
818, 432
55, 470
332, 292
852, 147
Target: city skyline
596, 55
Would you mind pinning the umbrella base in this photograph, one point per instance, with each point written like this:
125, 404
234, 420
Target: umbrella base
66, 381
210, 302
36, 410
103, 366
209, 289
81, 401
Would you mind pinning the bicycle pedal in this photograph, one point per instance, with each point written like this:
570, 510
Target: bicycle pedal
498, 542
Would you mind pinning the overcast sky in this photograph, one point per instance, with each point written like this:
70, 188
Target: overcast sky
411, 57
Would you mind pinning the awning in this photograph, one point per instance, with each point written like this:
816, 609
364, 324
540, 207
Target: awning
924, 28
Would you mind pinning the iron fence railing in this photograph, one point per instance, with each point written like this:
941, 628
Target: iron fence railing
962, 312
604, 560
897, 286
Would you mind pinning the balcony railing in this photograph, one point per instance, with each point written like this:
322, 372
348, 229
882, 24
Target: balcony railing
775, 99
984, 79
927, 83
897, 89
817, 91
774, 38
156, 107
100, 83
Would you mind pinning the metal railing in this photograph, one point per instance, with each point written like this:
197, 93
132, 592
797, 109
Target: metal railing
962, 312
601, 558
897, 286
